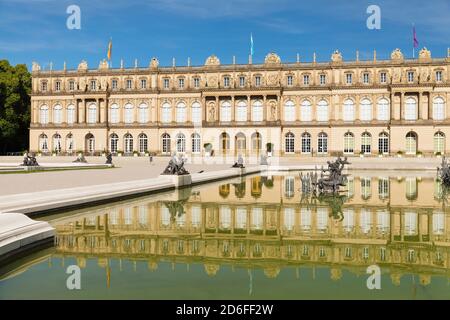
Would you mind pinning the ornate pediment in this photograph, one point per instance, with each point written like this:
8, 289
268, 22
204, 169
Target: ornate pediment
154, 63
336, 56
212, 60
397, 55
83, 66
103, 65
35, 66
424, 54
272, 59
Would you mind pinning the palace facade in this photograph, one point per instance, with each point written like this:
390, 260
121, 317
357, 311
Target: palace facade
390, 107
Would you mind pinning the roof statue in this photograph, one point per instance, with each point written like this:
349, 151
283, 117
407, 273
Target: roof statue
212, 60
272, 58
83, 66
424, 54
336, 56
154, 63
103, 65
35, 67
397, 55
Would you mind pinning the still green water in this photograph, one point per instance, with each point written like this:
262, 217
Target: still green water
259, 237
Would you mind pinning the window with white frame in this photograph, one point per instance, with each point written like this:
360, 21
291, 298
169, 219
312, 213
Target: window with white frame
195, 143
92, 113
439, 142
411, 142
57, 114
241, 81
365, 110
43, 114
128, 113
128, 143
348, 78
365, 220
349, 110
196, 82
305, 111
57, 143
70, 114
438, 109
383, 109
366, 188
225, 111
322, 79
241, 111
289, 186
166, 114
306, 142
257, 111
290, 80
196, 113
58, 86
43, 143
114, 84
258, 81
181, 112
383, 188
257, 220
143, 143
383, 143
305, 218
383, 216
181, 83
383, 77
165, 143
410, 76
438, 221
143, 84
439, 76
166, 83
289, 218
289, 142
114, 113
113, 143
289, 111
322, 111
348, 223
410, 220
322, 143
181, 142
226, 81
366, 143
93, 85
411, 109
143, 113
306, 79
129, 84
349, 142
366, 78
70, 143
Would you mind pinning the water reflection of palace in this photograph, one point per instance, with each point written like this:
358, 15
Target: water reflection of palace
260, 223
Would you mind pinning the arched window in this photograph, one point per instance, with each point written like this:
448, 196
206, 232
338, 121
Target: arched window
289, 142
195, 143
90, 143
256, 142
365, 110
71, 114
128, 143
366, 143
257, 111
322, 143
57, 114
43, 114
438, 109
241, 111
181, 143
225, 111
240, 143
349, 110
322, 111
411, 143
165, 143
128, 113
114, 113
143, 113
70, 147
113, 142
411, 109
143, 143
383, 143
57, 143
166, 114
43, 143
383, 110
92, 113
196, 113
305, 111
306, 142
349, 142
439, 142
181, 112
225, 142
289, 111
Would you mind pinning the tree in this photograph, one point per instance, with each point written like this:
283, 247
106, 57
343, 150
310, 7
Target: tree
15, 89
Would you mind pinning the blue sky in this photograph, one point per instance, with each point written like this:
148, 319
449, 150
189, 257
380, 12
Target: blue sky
35, 30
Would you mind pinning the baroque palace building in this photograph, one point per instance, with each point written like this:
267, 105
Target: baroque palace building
395, 106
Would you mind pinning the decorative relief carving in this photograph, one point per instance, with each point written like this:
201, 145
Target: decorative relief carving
336, 57
273, 110
212, 81
397, 55
272, 79
211, 112
212, 60
272, 58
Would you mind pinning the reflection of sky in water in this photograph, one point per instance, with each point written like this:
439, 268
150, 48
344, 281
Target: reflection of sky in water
256, 238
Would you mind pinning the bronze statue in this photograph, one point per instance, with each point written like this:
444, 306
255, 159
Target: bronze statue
443, 172
176, 166
29, 160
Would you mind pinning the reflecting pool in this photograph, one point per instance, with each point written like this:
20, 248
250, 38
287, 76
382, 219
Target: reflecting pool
259, 237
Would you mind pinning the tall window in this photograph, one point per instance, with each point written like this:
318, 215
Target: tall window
71, 85
113, 142
349, 110
129, 113
90, 143
383, 143
258, 81
43, 114
128, 143
226, 81
225, 111
225, 142
92, 113
143, 143
165, 143
241, 111
411, 109
93, 85
411, 142
71, 114
196, 83
195, 143
58, 86
143, 84
57, 114
256, 142
439, 142
289, 142
322, 79
181, 143
383, 77
366, 78
129, 84
348, 78
439, 76
181, 83
322, 143
438, 109
289, 111
166, 116
43, 143
306, 143
383, 109
410, 75
181, 112
365, 110
322, 111
114, 84
114, 113
57, 143
366, 142
257, 111
290, 80
383, 188
306, 79
166, 83
241, 81
69, 143
349, 142
196, 113
305, 111
143, 113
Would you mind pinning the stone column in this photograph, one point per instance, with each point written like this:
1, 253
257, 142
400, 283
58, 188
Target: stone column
217, 111
233, 109
401, 116
265, 108
419, 106
249, 108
